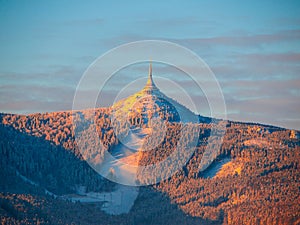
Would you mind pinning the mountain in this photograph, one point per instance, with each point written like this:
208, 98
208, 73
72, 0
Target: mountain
46, 174
150, 103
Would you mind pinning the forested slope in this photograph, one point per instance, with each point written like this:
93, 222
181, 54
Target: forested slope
258, 185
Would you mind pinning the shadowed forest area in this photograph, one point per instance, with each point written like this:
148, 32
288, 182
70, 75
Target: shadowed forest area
257, 184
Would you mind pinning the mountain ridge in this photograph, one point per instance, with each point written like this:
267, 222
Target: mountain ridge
253, 177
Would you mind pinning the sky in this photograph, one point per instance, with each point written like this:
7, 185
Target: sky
252, 47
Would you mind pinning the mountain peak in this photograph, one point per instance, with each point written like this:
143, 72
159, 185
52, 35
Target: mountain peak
150, 103
150, 86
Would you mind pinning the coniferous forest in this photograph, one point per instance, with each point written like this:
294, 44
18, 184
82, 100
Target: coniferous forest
257, 180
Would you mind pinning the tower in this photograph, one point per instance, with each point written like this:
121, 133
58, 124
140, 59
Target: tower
148, 103
150, 85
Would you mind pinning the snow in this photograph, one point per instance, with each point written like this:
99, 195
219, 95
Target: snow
125, 158
115, 203
120, 201
125, 166
124, 163
25, 179
215, 167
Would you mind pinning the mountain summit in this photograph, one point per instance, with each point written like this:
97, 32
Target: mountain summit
252, 179
150, 85
151, 103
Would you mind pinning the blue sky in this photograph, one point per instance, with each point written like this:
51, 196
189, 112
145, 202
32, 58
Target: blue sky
252, 47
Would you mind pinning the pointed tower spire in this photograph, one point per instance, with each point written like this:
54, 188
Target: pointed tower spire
150, 71
150, 85
150, 82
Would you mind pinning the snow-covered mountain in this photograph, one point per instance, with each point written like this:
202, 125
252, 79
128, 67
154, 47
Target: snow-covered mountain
150, 103
253, 178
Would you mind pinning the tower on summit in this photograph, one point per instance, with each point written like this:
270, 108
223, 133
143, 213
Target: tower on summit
150, 85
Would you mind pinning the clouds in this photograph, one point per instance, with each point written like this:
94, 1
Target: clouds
50, 90
267, 101
32, 98
259, 75
253, 49
255, 39
275, 111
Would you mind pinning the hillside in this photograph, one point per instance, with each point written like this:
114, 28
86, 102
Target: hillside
260, 182
26, 148
253, 178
